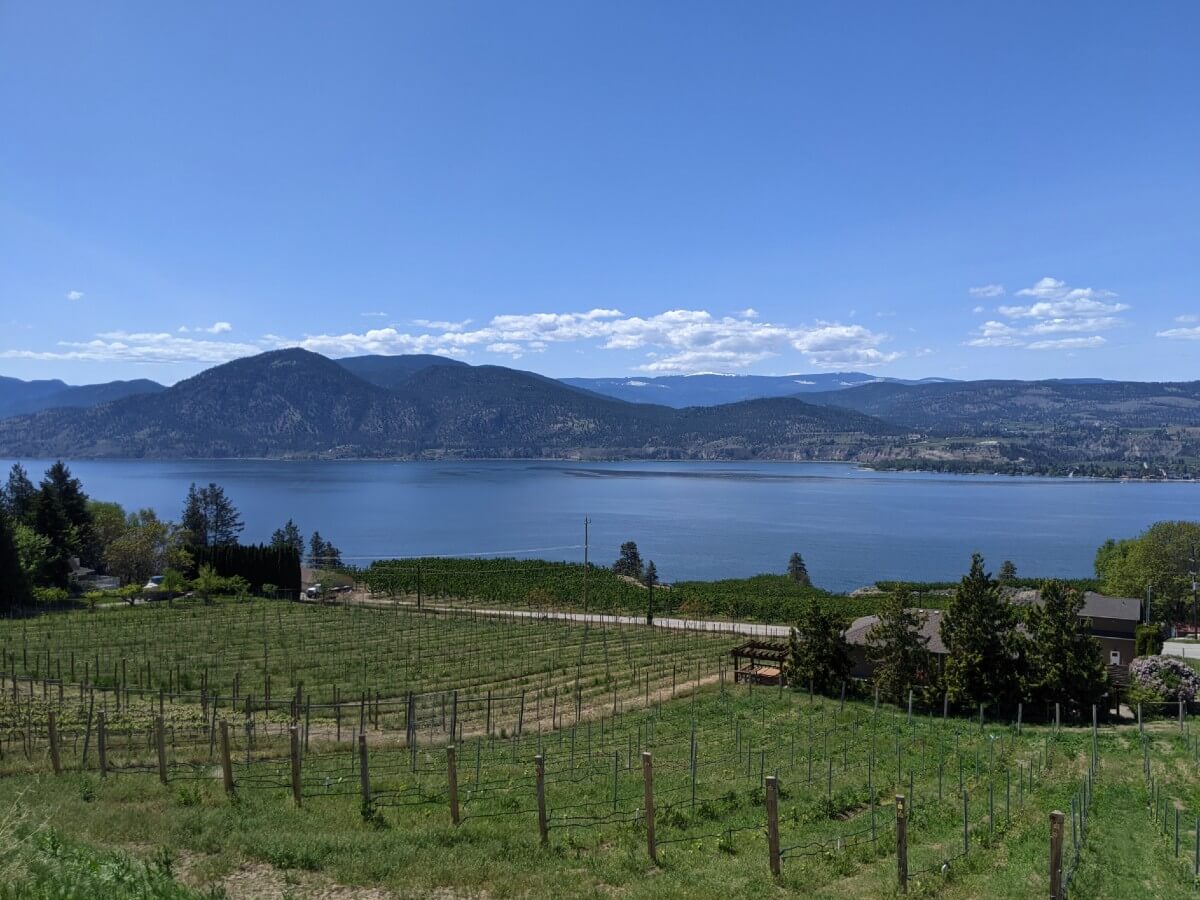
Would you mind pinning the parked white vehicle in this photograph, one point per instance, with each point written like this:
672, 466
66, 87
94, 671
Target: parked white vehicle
153, 584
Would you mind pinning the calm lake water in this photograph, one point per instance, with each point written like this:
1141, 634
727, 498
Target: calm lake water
695, 520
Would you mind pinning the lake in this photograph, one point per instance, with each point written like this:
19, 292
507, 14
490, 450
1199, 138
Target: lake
695, 520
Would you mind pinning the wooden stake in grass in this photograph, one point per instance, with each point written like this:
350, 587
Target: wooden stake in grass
452, 783
297, 792
901, 844
160, 743
648, 797
363, 774
226, 759
1056, 838
773, 823
540, 775
52, 724
102, 742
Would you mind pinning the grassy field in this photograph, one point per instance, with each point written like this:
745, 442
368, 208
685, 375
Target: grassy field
713, 746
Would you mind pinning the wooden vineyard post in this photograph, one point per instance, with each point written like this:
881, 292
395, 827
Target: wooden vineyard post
364, 776
102, 743
648, 782
226, 759
540, 772
902, 843
160, 743
452, 783
1056, 837
55, 760
297, 792
773, 823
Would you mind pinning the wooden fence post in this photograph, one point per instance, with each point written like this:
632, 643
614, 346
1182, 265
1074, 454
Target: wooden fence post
452, 783
55, 759
773, 823
297, 790
1056, 838
160, 744
101, 742
540, 771
226, 759
648, 783
364, 776
902, 843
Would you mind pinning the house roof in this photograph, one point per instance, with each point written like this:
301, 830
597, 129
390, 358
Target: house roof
1095, 606
931, 628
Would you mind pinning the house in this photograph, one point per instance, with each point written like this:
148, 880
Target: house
856, 637
1114, 621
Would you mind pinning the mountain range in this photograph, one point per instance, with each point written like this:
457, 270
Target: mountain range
294, 403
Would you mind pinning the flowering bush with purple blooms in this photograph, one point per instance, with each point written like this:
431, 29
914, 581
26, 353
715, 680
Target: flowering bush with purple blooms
1169, 678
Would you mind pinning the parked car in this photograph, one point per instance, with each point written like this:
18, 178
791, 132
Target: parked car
154, 583
314, 591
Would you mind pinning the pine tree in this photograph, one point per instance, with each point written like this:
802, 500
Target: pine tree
210, 517
288, 536
1066, 663
14, 581
75, 506
896, 647
322, 554
798, 571
629, 563
51, 522
818, 655
986, 654
1008, 572
19, 496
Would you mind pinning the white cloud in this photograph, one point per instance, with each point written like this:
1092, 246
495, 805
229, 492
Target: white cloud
513, 350
977, 310
749, 313
147, 347
1077, 343
441, 326
987, 290
1181, 334
1057, 308
74, 295
374, 315
677, 340
1187, 319
218, 328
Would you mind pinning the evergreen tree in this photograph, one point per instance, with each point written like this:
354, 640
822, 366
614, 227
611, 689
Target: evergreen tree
52, 523
986, 654
19, 496
210, 517
817, 651
798, 571
1066, 663
897, 648
629, 562
1008, 572
322, 554
74, 504
14, 580
288, 536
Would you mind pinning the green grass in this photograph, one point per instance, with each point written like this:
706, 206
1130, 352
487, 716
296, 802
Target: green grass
839, 766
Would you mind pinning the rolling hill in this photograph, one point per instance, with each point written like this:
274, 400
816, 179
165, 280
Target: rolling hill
19, 397
297, 403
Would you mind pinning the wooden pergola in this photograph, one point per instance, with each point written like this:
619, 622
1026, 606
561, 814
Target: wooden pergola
759, 662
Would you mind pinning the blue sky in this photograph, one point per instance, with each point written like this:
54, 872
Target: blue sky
956, 189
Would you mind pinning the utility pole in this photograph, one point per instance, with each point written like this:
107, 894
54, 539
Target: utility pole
1193, 572
586, 523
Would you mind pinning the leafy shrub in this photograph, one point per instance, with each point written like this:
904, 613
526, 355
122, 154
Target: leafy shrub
1148, 640
50, 595
1166, 677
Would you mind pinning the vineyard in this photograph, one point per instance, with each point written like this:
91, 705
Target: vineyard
432, 751
538, 584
